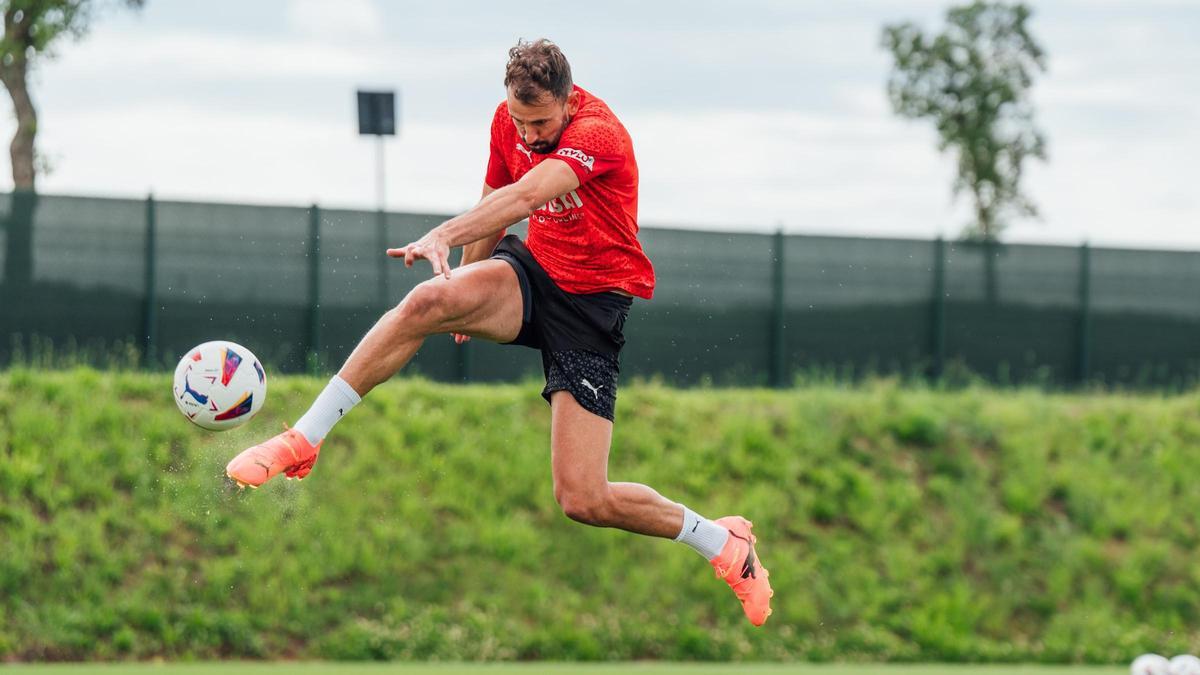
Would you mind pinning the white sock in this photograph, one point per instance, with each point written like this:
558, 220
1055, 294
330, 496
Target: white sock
702, 534
335, 401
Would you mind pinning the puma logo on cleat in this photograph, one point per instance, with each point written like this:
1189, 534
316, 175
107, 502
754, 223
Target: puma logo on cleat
748, 566
595, 390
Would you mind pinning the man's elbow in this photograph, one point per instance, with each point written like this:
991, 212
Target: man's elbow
526, 199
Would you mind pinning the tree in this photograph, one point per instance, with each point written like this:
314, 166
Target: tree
973, 81
31, 29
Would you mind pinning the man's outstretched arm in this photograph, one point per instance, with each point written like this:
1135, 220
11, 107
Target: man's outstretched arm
481, 248
509, 205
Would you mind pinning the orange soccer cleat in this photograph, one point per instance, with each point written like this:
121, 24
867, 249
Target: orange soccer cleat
739, 566
289, 453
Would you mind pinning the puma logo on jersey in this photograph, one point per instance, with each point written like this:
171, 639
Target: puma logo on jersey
568, 201
595, 390
579, 156
528, 154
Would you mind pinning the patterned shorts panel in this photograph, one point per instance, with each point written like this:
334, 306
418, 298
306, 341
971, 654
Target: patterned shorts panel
590, 377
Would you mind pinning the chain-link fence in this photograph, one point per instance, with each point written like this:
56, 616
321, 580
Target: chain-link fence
300, 286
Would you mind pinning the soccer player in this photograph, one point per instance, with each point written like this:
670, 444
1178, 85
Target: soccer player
562, 159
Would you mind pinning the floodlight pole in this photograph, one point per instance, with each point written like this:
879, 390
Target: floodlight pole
380, 183
377, 117
381, 220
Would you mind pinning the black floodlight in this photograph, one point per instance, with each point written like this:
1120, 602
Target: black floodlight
377, 113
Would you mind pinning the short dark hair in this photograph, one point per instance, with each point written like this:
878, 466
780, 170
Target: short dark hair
535, 68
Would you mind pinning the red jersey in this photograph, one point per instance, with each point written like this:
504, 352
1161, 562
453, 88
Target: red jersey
586, 240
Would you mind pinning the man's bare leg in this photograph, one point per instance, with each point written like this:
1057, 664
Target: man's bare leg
579, 447
481, 300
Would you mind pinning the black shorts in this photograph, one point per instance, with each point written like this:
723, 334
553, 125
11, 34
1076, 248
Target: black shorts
579, 335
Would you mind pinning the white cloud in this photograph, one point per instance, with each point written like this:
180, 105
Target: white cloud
240, 156
268, 117
342, 19
811, 173
226, 58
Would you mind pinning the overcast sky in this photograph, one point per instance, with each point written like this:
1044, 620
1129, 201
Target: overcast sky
744, 115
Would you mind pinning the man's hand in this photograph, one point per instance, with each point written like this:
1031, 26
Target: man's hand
430, 247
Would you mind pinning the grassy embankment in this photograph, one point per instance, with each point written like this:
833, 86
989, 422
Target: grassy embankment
899, 524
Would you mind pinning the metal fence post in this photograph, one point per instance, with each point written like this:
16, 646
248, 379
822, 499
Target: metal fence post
314, 290
777, 375
150, 307
1084, 347
937, 325
381, 242
18, 260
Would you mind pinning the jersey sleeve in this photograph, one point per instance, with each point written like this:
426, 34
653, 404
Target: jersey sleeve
592, 147
498, 174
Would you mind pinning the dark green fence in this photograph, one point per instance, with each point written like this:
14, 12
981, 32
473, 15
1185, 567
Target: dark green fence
301, 285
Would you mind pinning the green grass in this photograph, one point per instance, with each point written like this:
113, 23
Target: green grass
557, 669
908, 525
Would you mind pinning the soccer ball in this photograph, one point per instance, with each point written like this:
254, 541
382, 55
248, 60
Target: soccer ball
219, 385
1150, 664
1184, 664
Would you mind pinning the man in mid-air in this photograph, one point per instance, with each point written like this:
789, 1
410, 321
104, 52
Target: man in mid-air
562, 159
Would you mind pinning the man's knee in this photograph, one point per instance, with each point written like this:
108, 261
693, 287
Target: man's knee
588, 506
426, 305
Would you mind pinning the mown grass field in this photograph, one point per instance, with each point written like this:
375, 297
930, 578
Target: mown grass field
553, 669
908, 525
